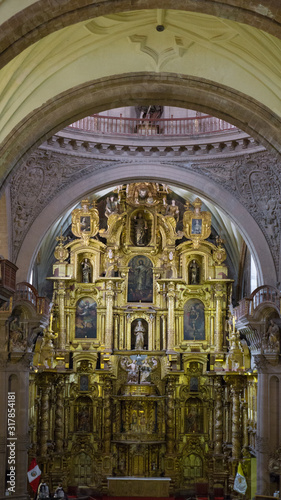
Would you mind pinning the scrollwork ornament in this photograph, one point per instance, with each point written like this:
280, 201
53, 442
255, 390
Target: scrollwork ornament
261, 362
274, 462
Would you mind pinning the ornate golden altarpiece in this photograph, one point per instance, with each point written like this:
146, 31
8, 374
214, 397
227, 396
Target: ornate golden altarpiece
140, 371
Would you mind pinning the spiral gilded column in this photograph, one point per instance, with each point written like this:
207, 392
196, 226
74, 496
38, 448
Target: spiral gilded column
170, 424
44, 418
236, 384
218, 425
107, 415
59, 417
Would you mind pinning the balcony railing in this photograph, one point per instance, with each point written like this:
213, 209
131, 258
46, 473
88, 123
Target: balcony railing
259, 296
27, 292
191, 126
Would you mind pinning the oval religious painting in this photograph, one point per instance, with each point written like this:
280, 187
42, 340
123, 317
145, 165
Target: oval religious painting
140, 280
86, 319
194, 320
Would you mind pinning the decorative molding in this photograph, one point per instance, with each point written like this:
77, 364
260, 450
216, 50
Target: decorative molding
252, 179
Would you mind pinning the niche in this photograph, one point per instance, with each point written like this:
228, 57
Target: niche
139, 334
141, 228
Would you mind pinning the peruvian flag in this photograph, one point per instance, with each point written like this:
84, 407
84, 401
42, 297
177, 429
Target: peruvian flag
34, 474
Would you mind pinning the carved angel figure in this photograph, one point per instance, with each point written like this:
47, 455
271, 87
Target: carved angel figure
273, 336
132, 368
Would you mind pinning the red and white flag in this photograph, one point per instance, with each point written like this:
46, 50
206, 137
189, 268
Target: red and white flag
34, 474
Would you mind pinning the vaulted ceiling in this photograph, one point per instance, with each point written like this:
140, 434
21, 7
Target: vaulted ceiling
62, 60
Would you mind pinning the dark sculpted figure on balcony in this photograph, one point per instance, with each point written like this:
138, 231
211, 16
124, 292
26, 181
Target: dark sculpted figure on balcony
111, 206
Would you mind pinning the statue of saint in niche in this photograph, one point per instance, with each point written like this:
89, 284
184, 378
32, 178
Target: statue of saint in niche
194, 321
273, 336
194, 269
173, 210
140, 280
84, 419
140, 230
17, 338
139, 331
86, 271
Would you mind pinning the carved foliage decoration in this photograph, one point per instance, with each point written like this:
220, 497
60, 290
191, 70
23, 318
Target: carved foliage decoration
254, 181
42, 176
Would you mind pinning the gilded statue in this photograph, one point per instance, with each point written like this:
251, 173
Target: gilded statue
193, 273
139, 332
140, 230
173, 210
86, 271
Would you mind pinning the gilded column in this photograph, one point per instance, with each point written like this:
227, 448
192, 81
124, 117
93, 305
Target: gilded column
236, 386
121, 333
116, 332
245, 449
107, 415
66, 419
62, 328
59, 417
219, 293
218, 434
109, 294
170, 417
44, 413
163, 319
171, 317
158, 329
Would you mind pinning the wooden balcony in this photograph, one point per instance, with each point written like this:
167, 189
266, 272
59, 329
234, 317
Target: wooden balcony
8, 272
262, 295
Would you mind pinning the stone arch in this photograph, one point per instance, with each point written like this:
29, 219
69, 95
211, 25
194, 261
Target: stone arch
125, 90
169, 174
41, 19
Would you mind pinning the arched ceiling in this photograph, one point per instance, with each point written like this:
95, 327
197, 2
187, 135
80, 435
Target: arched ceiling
68, 59
26, 21
237, 65
231, 54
